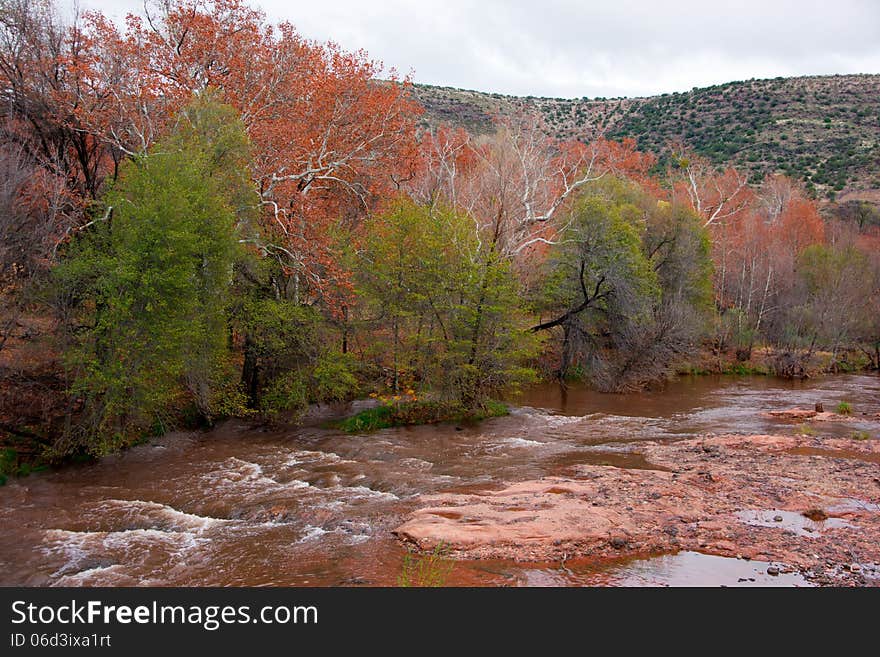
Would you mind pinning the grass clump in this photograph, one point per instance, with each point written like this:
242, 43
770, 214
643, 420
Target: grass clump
805, 430
371, 419
860, 435
430, 570
844, 408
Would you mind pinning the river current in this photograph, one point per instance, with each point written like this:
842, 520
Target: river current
311, 506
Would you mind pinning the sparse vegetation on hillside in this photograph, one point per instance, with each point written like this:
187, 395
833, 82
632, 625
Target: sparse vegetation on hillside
824, 131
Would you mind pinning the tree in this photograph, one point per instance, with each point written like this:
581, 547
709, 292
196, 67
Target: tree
717, 196
863, 213
628, 282
678, 244
755, 254
515, 185
40, 60
329, 140
867, 329
402, 257
152, 278
451, 310
596, 276
31, 201
516, 182
722, 198
828, 299
278, 337
34, 48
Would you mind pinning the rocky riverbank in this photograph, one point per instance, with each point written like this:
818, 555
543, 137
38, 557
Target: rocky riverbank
807, 504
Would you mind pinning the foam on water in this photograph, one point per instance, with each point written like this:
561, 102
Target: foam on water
548, 417
95, 576
81, 541
303, 457
351, 533
414, 463
158, 516
522, 442
78, 551
359, 492
249, 475
312, 533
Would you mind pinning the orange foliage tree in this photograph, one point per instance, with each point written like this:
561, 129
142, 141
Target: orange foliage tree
515, 182
328, 138
764, 243
757, 234
38, 129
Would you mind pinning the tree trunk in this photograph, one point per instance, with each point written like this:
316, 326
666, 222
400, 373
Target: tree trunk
345, 329
566, 356
396, 382
250, 373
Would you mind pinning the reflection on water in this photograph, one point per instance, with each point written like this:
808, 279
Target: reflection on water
311, 506
680, 569
788, 520
695, 569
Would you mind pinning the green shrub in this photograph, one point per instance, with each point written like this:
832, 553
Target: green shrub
850, 362
416, 412
228, 399
333, 377
844, 408
287, 393
371, 419
8, 464
149, 282
491, 408
11, 465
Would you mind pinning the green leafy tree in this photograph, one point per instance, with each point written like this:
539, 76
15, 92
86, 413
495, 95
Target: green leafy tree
627, 284
596, 276
279, 337
833, 289
152, 277
445, 310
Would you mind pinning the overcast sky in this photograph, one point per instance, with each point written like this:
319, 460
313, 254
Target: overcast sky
573, 48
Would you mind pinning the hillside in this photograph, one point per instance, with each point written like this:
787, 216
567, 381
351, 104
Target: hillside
823, 130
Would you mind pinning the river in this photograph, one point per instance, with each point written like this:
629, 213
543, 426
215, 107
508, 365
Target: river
310, 506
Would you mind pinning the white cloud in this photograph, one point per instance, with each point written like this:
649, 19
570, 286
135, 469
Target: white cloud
577, 48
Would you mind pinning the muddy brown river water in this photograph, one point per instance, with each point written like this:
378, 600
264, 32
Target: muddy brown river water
308, 506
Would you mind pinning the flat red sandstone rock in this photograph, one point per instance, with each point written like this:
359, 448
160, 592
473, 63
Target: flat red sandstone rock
695, 503
804, 415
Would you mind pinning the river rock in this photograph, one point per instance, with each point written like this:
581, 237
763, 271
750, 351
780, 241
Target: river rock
554, 517
807, 415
